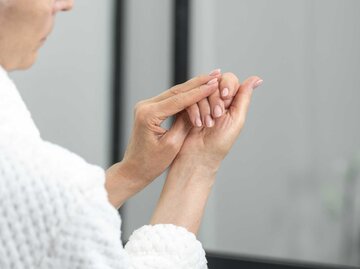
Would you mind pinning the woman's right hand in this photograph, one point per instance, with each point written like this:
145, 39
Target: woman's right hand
208, 146
192, 174
152, 148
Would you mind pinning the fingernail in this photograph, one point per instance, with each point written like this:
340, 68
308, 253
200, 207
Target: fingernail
258, 83
198, 122
213, 81
217, 111
225, 92
215, 72
209, 121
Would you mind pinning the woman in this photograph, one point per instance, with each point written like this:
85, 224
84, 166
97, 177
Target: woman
58, 211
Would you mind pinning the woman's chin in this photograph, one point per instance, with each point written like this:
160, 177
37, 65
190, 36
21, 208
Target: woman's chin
27, 62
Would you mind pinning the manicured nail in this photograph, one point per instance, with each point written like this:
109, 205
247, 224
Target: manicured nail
258, 83
217, 111
215, 72
225, 92
209, 121
213, 81
198, 122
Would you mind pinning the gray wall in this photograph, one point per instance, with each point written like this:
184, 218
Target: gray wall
286, 189
282, 190
68, 89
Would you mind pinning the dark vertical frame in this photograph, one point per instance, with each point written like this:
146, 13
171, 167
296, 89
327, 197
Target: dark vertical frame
116, 145
116, 148
181, 15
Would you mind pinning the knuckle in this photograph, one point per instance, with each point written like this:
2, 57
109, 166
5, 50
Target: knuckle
138, 106
195, 81
231, 77
200, 79
215, 97
176, 101
175, 90
141, 110
183, 85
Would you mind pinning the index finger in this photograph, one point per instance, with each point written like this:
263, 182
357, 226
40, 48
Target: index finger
179, 102
188, 85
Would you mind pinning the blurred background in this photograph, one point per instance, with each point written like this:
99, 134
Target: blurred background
289, 189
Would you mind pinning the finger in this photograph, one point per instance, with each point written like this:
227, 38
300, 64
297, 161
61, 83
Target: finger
227, 103
205, 112
240, 105
194, 115
199, 80
176, 135
182, 100
229, 85
188, 85
216, 105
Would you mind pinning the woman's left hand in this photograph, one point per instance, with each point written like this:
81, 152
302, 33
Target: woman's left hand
192, 174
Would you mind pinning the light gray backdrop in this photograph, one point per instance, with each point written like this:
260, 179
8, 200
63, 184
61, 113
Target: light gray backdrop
281, 192
289, 187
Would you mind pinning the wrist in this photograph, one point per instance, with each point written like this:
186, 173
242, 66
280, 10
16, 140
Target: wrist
186, 175
121, 183
198, 163
185, 193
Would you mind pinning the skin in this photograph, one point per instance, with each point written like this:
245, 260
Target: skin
192, 173
152, 148
210, 112
24, 26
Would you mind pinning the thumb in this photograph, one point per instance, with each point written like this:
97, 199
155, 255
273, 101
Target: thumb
182, 100
240, 104
178, 131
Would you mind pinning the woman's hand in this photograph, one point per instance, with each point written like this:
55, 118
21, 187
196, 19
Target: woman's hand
209, 146
204, 113
152, 148
192, 174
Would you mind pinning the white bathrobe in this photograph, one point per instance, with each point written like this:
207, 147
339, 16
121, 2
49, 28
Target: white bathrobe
54, 210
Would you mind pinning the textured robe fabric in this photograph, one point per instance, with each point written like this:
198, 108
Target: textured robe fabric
54, 210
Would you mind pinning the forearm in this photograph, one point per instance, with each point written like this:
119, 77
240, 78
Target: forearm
184, 196
120, 185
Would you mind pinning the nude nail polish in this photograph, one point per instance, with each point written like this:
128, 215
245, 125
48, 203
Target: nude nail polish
258, 83
198, 122
225, 92
213, 81
215, 72
209, 121
217, 111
